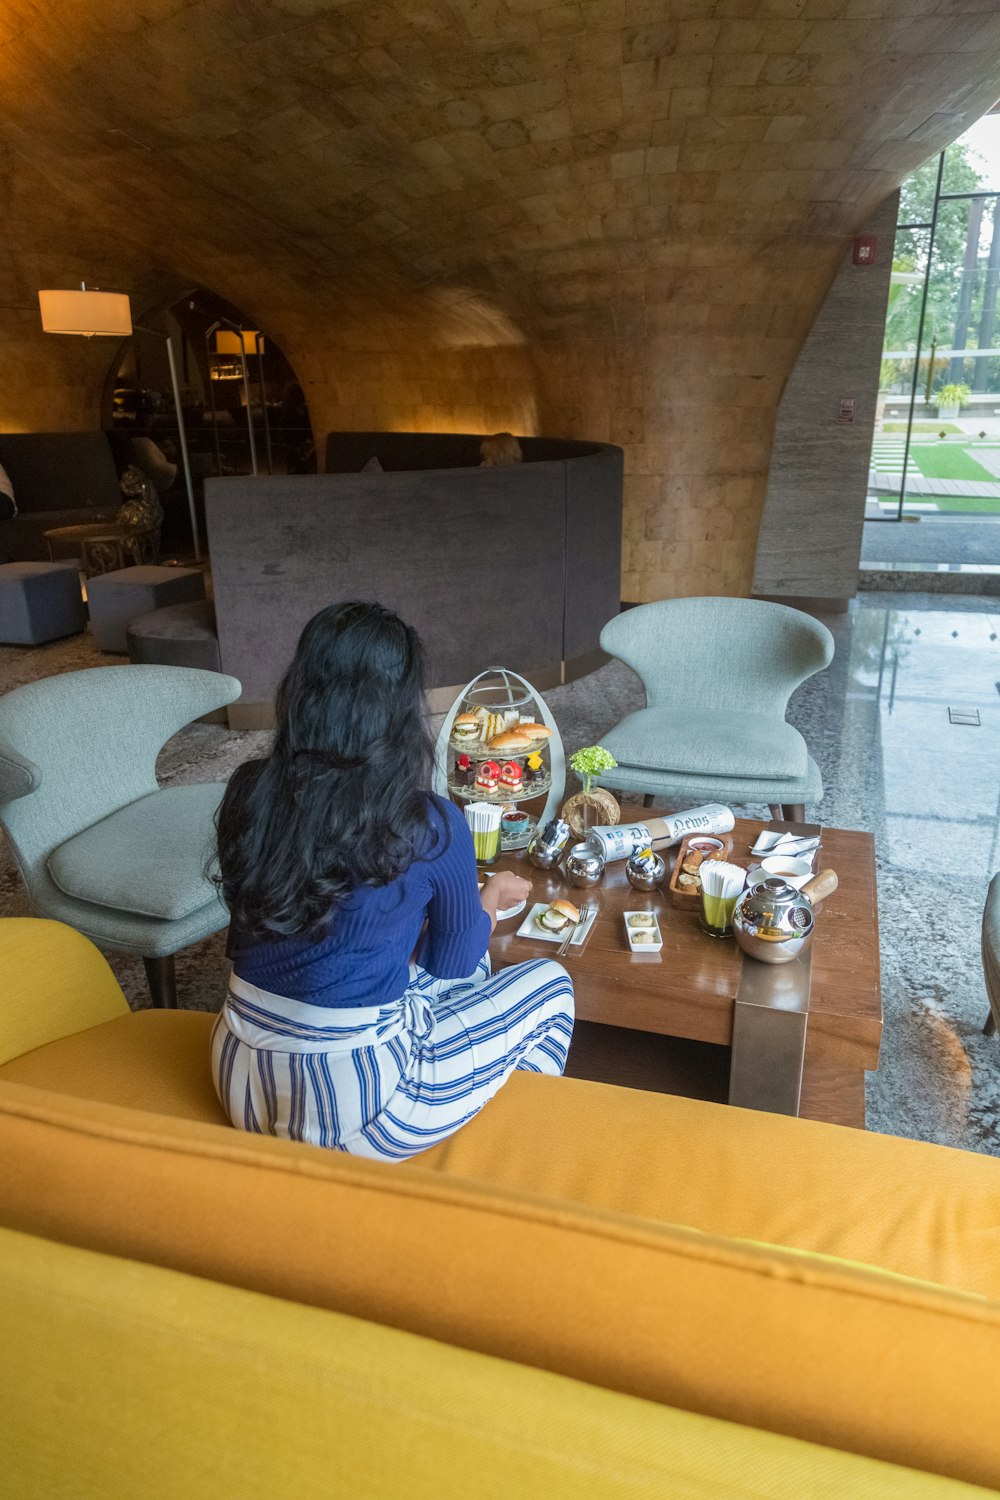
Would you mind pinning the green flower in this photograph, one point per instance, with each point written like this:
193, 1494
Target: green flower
589, 761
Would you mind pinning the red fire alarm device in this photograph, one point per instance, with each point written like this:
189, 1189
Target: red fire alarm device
865, 248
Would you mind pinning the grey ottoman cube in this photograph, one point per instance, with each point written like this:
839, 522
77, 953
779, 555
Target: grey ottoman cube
116, 599
40, 601
181, 635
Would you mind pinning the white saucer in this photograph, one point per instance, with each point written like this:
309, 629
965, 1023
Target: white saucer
508, 911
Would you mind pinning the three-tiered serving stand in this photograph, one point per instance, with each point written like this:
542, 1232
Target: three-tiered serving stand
501, 691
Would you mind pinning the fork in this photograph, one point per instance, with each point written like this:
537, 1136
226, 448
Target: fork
577, 927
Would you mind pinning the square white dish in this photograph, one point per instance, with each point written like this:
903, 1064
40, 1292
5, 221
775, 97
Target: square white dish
529, 927
635, 947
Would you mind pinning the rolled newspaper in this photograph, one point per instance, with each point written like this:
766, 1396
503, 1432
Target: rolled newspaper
626, 839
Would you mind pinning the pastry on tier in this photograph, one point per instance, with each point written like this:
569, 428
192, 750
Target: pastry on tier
511, 778
466, 729
511, 742
534, 770
464, 774
487, 776
490, 725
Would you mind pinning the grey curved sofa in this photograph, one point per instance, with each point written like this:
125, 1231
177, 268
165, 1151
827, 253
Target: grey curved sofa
59, 479
519, 566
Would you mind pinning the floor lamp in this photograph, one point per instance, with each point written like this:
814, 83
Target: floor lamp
241, 350
90, 314
258, 340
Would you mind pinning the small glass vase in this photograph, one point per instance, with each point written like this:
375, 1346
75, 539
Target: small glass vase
588, 814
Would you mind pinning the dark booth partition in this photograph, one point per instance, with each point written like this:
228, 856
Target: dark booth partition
516, 566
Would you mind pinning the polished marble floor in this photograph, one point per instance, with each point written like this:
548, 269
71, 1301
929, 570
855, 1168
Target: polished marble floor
893, 763
956, 540
929, 790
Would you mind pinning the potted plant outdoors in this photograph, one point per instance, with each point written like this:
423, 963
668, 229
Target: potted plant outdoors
950, 399
594, 806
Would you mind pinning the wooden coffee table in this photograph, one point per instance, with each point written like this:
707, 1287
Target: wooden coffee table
692, 988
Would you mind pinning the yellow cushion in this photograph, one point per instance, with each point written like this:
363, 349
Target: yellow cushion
55, 982
152, 1059
838, 1354
739, 1173
906, 1206
114, 1372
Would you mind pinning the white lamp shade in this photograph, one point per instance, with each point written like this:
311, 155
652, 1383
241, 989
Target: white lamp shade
86, 312
244, 342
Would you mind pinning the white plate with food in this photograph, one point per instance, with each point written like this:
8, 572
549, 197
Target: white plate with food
530, 927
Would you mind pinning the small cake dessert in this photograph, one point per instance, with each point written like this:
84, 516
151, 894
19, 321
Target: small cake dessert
511, 778
533, 769
463, 774
487, 776
558, 916
465, 729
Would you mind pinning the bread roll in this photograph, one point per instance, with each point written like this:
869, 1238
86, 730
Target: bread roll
510, 742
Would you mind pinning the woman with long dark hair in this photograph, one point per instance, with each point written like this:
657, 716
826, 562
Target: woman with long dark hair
361, 1013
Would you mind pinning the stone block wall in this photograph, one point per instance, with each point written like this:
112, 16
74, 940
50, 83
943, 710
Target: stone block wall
614, 219
810, 534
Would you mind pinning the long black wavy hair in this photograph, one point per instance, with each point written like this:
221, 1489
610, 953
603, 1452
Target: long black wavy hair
342, 800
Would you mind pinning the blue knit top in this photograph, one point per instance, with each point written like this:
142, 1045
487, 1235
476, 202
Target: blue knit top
363, 959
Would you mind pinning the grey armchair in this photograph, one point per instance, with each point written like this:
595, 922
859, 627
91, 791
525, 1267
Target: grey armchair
991, 953
718, 675
99, 844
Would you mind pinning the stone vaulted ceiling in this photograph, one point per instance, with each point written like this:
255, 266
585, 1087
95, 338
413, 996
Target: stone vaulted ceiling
604, 218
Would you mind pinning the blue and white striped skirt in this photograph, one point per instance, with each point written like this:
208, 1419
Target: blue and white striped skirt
388, 1081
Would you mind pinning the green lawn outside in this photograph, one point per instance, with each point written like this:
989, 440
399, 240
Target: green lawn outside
972, 505
947, 461
924, 427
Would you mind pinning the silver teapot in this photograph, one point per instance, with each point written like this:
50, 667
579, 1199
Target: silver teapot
773, 921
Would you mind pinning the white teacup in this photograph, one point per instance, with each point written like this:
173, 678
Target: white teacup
795, 871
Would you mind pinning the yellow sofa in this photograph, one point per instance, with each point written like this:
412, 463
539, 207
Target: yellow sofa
588, 1291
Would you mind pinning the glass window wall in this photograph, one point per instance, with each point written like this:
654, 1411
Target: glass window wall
936, 449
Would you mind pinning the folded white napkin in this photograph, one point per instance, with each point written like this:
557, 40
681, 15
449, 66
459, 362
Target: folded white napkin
772, 842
